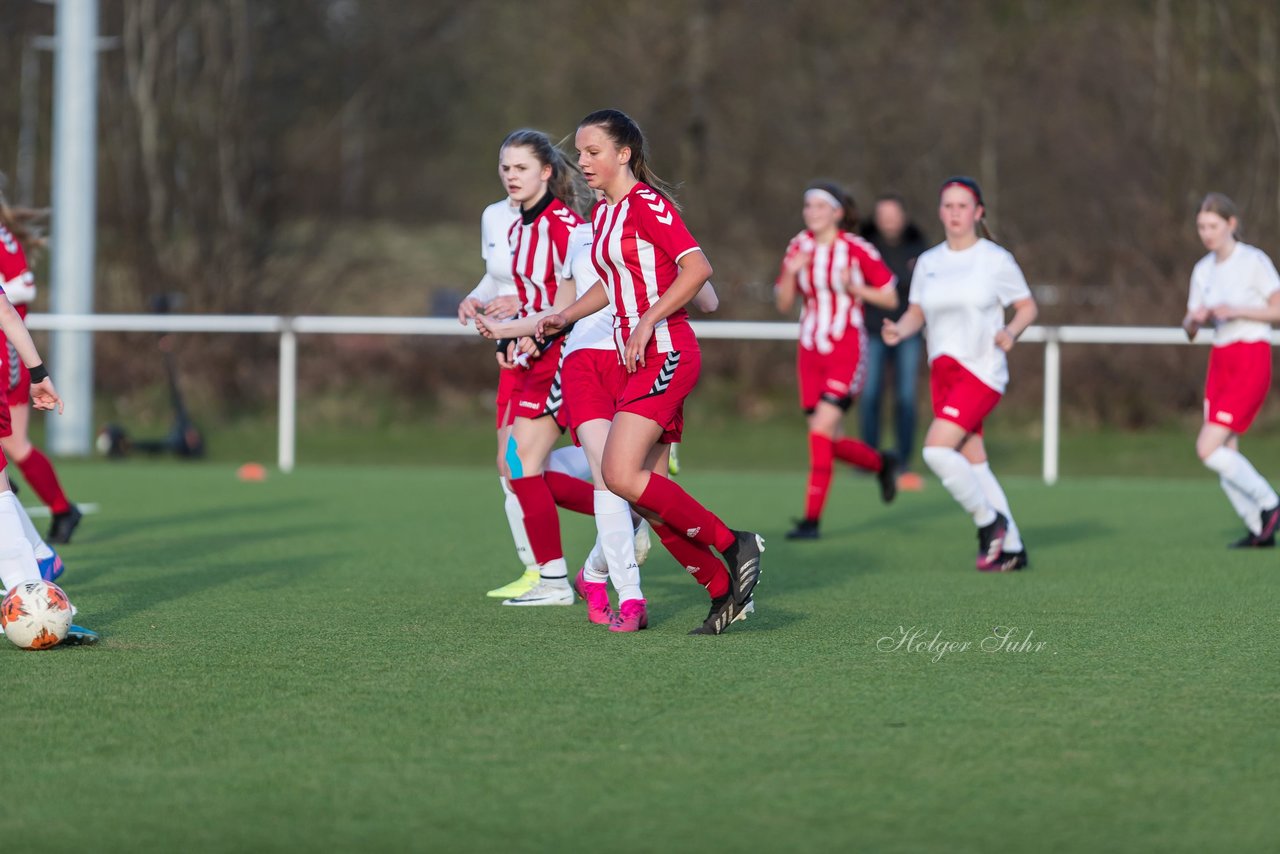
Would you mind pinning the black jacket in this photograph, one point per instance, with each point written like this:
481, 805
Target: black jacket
901, 259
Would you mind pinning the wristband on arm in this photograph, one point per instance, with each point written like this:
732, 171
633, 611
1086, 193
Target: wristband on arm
39, 373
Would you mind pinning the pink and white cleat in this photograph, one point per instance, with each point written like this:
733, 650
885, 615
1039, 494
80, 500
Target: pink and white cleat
631, 617
596, 595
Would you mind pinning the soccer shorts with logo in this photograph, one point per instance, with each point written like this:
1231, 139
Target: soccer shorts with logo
959, 396
1237, 384
537, 389
836, 377
658, 389
592, 381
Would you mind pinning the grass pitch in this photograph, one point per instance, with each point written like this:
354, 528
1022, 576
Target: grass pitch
310, 664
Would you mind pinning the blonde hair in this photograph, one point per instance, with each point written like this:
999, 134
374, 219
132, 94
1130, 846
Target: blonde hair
625, 133
567, 183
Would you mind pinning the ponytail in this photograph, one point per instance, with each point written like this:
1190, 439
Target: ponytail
625, 133
566, 182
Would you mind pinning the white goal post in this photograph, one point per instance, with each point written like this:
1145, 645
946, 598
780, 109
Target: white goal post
289, 328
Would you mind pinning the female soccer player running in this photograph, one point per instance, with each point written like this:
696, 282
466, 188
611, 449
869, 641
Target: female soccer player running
835, 272
20, 288
1235, 290
650, 268
959, 293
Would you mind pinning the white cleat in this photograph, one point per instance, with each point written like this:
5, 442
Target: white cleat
644, 541
546, 592
747, 609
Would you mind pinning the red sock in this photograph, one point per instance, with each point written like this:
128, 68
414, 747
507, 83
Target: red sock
698, 560
821, 452
859, 454
678, 509
571, 493
38, 472
541, 523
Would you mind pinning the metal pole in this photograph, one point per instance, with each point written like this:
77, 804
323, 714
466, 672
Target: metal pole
1052, 393
285, 453
74, 214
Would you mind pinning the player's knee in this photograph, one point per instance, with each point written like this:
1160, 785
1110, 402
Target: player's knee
620, 480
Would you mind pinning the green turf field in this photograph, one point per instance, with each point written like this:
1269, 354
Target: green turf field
309, 664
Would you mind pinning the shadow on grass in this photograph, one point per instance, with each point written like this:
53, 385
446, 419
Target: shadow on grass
99, 531
1066, 533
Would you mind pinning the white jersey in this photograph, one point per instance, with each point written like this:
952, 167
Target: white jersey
495, 249
1247, 279
594, 332
963, 296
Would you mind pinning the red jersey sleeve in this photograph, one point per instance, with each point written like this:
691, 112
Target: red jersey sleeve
13, 261
562, 221
874, 271
661, 225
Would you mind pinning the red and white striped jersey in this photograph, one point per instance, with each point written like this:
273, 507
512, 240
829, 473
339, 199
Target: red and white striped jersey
539, 240
829, 309
637, 248
19, 284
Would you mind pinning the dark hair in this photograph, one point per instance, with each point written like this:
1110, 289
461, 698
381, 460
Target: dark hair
625, 133
1221, 205
848, 222
567, 183
972, 186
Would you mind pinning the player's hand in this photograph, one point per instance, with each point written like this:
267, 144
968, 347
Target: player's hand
889, 333
797, 262
549, 325
1004, 340
1224, 312
468, 309
507, 358
484, 328
1200, 316
528, 348
45, 396
502, 308
633, 354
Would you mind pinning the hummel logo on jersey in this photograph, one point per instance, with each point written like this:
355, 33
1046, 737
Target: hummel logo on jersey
666, 373
657, 205
951, 410
567, 217
1225, 417
693, 532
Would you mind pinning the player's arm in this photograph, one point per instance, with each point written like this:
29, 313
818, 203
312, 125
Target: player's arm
588, 304
706, 300
909, 324
784, 289
1270, 313
883, 297
1024, 314
695, 270
43, 394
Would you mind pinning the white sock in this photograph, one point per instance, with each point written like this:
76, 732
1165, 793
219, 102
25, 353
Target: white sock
991, 489
515, 518
570, 460
618, 539
957, 476
596, 568
1232, 466
556, 571
1246, 509
38, 545
17, 560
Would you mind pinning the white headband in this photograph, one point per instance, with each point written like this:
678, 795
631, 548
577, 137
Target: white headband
818, 193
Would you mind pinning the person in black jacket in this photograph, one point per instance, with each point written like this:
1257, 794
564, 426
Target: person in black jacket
899, 242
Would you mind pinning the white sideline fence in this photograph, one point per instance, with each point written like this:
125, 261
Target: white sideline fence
289, 328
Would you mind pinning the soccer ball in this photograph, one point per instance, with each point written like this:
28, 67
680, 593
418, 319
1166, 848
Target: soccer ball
35, 615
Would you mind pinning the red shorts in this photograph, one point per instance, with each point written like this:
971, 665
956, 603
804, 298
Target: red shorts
657, 390
959, 396
834, 377
1238, 381
592, 381
537, 388
508, 381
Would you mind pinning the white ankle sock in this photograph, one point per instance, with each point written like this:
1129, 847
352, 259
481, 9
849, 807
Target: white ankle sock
1246, 509
515, 518
1232, 465
958, 477
17, 560
556, 571
617, 538
991, 489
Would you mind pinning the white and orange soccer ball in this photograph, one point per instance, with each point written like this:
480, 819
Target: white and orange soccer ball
35, 615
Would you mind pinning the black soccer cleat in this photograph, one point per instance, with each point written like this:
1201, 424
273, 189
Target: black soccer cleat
1251, 540
805, 529
991, 543
743, 558
63, 526
1011, 561
724, 611
888, 476
1270, 523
